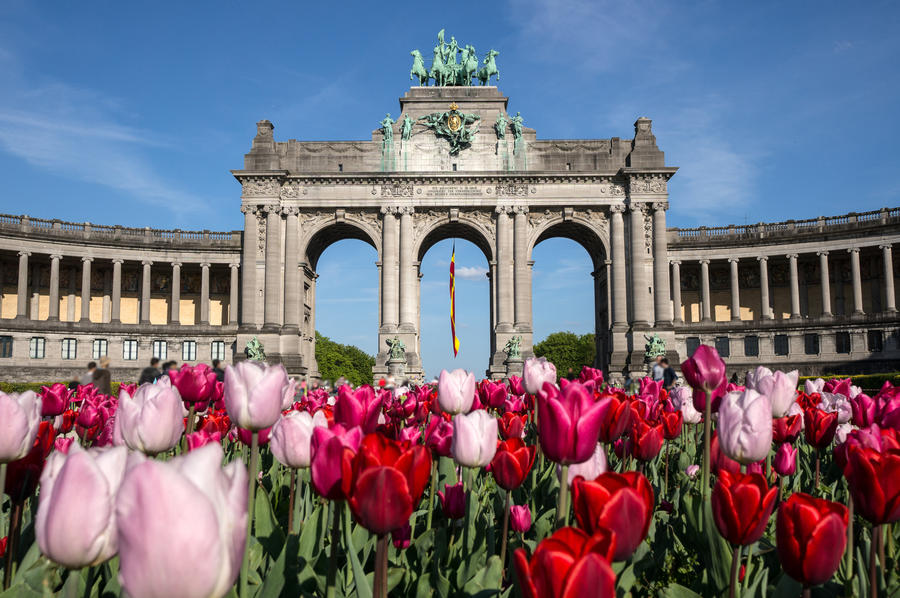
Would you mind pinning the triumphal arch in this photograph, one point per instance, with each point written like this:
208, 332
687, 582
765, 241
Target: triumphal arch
456, 162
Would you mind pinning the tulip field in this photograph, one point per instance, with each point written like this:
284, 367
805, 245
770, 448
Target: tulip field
534, 487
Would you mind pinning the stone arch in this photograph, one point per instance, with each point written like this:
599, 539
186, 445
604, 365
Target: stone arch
318, 235
590, 233
462, 227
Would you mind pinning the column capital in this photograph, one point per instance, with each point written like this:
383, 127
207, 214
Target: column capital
249, 209
762, 258
87, 259
638, 207
520, 210
24, 253
503, 209
147, 262
270, 209
55, 256
822, 253
853, 250
176, 264
390, 210
674, 262
734, 260
234, 265
118, 260
660, 206
204, 264
791, 256
887, 246
617, 208
704, 261
408, 210
290, 210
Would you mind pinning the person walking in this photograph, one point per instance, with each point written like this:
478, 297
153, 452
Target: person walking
669, 375
150, 373
218, 371
88, 376
102, 378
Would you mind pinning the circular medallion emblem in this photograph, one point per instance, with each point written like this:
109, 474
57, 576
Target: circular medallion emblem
454, 122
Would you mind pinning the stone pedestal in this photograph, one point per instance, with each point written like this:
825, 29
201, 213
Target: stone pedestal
397, 369
515, 366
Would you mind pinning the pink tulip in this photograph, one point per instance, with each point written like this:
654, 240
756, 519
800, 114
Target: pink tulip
292, 436
357, 408
474, 439
538, 371
62, 445
864, 409
176, 515
202, 438
516, 385
682, 400
456, 391
704, 371
54, 399
569, 422
254, 393
150, 421
290, 393
589, 469
745, 426
245, 436
20, 416
411, 434
589, 374
692, 470
439, 436
836, 403
194, 383
492, 394
332, 451
781, 388
813, 387
76, 518
785, 462
520, 518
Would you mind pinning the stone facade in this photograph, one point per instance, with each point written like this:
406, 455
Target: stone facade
202, 294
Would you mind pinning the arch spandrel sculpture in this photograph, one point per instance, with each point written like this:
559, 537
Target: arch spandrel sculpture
445, 171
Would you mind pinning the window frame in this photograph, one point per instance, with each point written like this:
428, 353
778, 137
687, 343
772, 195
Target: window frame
755, 342
809, 336
33, 344
214, 354
781, 338
64, 345
95, 353
839, 340
186, 354
160, 355
129, 343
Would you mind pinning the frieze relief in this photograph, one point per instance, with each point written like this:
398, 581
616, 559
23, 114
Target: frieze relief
648, 230
397, 189
292, 191
650, 183
260, 232
260, 187
511, 189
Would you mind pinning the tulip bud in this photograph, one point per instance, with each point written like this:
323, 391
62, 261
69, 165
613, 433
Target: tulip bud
254, 393
785, 462
520, 518
692, 470
453, 501
474, 439
194, 383
781, 388
150, 421
745, 426
291, 437
54, 399
20, 416
538, 371
704, 371
456, 391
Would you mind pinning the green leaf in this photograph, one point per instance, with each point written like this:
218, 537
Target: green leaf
787, 587
490, 577
274, 579
363, 589
678, 591
312, 534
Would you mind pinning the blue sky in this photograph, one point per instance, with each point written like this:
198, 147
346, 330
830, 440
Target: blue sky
133, 113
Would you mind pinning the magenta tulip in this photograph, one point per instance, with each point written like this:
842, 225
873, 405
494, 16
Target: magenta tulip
474, 439
745, 426
456, 391
20, 416
254, 393
439, 436
538, 371
151, 421
569, 422
453, 500
520, 518
331, 465
202, 438
785, 462
54, 399
357, 408
176, 515
194, 383
864, 408
704, 371
292, 436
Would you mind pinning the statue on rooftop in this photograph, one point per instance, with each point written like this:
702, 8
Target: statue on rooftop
406, 127
418, 68
500, 126
387, 129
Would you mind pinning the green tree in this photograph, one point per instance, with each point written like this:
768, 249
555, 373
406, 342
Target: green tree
336, 360
567, 350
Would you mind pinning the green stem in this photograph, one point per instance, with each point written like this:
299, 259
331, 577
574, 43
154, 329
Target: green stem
707, 432
190, 422
292, 500
873, 558
848, 553
335, 549
251, 500
434, 464
735, 567
12, 542
381, 563
505, 533
468, 490
747, 572
562, 507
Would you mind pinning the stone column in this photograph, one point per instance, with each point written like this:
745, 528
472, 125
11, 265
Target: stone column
273, 296
389, 270
70, 298
619, 292
795, 287
145, 292
704, 288
662, 302
492, 290
115, 309
522, 280
857, 283
86, 288
248, 259
824, 283
175, 308
765, 312
676, 291
233, 295
54, 287
408, 274
107, 295
735, 290
639, 282
291, 270
890, 300
204, 293
505, 308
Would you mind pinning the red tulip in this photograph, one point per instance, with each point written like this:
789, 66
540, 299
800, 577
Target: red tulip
401, 537
819, 427
331, 468
453, 501
742, 505
197, 383
357, 408
672, 422
811, 534
787, 428
512, 425
23, 475
512, 462
67, 421
54, 399
616, 420
413, 461
569, 422
492, 393
381, 500
874, 479
622, 503
704, 371
646, 440
568, 564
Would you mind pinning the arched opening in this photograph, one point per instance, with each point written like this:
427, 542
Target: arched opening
570, 294
474, 326
340, 302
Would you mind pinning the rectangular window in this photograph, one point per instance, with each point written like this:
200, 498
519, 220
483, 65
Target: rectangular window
69, 348
217, 350
99, 348
751, 346
692, 342
782, 344
160, 350
811, 344
723, 346
875, 340
6, 346
129, 349
37, 347
189, 351
842, 342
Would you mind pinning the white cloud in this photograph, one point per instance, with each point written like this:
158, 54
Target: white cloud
478, 273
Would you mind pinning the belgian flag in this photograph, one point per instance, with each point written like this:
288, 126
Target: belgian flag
453, 300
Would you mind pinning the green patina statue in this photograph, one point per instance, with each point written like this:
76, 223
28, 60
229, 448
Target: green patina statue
418, 68
254, 350
406, 127
397, 349
453, 125
516, 123
655, 347
500, 126
512, 348
489, 69
387, 129
454, 64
